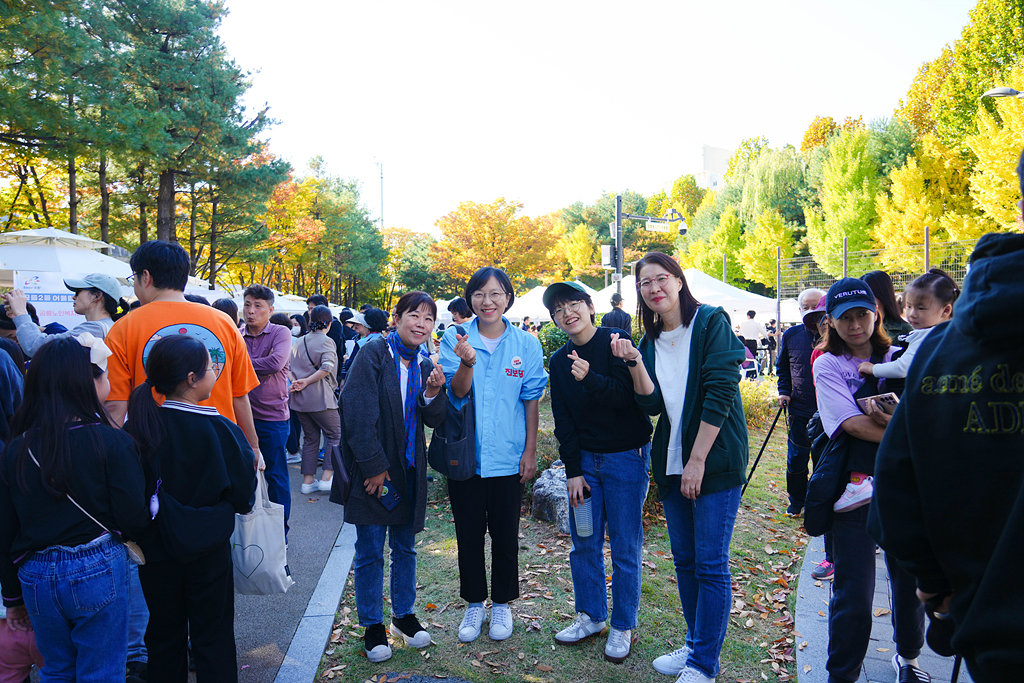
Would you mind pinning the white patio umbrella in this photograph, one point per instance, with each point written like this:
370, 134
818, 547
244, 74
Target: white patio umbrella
52, 236
51, 257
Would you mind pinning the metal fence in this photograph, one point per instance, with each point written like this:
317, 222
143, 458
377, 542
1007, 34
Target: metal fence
903, 264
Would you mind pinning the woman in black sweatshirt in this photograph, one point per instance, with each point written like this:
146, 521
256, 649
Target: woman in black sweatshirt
603, 439
63, 574
193, 457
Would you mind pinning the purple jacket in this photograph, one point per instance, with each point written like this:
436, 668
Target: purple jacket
269, 351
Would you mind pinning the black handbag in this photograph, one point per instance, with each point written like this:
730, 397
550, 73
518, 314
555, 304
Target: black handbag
831, 458
452, 451
341, 483
188, 532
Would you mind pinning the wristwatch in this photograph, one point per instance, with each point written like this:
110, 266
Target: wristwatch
632, 363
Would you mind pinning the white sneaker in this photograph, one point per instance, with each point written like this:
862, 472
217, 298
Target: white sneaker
673, 663
691, 675
501, 622
617, 648
324, 486
294, 458
579, 630
855, 495
469, 629
311, 488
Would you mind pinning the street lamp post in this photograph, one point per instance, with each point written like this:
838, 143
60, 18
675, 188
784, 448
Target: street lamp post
654, 224
1004, 92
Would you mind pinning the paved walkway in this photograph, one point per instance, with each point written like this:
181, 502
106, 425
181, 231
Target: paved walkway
281, 638
812, 625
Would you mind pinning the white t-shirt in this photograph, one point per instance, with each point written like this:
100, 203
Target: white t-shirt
751, 330
490, 344
672, 366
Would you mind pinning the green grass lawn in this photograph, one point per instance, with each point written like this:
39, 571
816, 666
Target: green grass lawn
766, 550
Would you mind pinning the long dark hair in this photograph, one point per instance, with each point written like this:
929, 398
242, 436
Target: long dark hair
59, 390
687, 303
15, 352
167, 367
882, 287
301, 321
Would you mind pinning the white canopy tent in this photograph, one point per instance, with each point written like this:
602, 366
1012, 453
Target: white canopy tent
283, 303
530, 304
705, 289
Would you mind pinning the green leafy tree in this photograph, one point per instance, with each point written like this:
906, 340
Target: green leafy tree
850, 183
774, 182
748, 150
758, 255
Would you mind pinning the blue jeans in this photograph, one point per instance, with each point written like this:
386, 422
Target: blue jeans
272, 437
618, 487
369, 567
138, 617
77, 599
700, 532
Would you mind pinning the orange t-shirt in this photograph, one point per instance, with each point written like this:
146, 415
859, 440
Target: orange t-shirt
132, 336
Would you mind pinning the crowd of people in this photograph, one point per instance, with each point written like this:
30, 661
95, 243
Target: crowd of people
133, 440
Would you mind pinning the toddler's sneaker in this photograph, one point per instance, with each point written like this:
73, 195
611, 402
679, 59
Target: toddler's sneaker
469, 629
375, 640
410, 630
673, 663
857, 494
824, 571
579, 630
501, 622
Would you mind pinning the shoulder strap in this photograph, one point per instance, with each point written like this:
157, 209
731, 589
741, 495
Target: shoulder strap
84, 511
305, 347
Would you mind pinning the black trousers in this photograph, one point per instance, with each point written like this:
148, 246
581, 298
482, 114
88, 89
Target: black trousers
491, 506
752, 345
853, 588
191, 600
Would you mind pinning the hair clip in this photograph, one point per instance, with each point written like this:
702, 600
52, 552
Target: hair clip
98, 350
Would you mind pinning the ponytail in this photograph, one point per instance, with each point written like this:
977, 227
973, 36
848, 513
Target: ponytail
144, 422
116, 309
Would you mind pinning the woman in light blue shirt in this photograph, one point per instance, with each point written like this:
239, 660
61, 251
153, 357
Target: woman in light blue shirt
503, 366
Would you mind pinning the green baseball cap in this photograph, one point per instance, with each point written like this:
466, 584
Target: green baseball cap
559, 288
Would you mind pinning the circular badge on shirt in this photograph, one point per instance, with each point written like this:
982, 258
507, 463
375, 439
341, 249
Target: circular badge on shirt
517, 362
213, 344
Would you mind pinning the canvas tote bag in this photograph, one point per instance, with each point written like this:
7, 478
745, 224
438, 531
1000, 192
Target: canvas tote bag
257, 547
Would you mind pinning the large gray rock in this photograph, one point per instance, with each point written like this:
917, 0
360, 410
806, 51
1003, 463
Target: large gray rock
551, 498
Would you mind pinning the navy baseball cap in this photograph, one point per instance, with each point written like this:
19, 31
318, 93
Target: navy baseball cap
849, 293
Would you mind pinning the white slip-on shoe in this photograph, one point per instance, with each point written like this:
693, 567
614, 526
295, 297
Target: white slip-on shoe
310, 488
324, 486
579, 630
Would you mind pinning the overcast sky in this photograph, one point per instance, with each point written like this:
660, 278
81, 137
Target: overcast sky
555, 102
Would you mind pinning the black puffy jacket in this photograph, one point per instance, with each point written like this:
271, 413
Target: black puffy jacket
794, 370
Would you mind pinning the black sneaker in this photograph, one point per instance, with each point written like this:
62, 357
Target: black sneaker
375, 641
136, 672
909, 674
409, 628
794, 510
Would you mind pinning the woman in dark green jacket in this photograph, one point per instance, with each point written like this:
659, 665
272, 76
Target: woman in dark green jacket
689, 374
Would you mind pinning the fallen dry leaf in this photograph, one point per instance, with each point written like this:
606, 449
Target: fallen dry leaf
820, 613
802, 645
882, 649
545, 667
881, 612
807, 668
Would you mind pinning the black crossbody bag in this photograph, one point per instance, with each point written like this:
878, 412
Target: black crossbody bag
452, 451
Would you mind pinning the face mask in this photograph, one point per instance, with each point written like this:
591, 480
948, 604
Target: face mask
295, 331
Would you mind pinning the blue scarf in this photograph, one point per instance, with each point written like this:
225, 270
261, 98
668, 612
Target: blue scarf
400, 351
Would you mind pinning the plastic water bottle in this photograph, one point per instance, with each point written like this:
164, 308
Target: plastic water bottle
584, 516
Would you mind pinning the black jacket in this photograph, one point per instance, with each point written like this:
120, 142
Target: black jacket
108, 482
793, 367
599, 413
204, 460
618, 318
374, 436
949, 477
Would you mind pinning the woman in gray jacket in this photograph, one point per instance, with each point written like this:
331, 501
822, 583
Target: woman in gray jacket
391, 392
